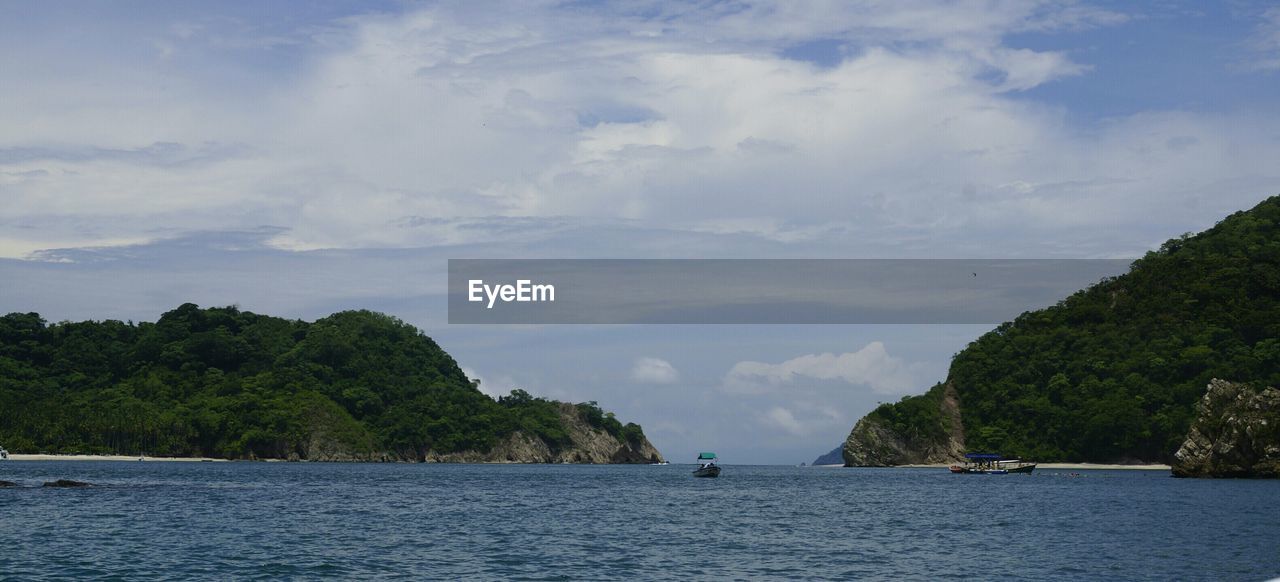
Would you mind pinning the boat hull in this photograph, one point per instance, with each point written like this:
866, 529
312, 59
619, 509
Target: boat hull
1021, 469
712, 471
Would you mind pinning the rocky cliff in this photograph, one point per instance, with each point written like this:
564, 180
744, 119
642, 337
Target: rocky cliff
879, 440
1236, 434
587, 444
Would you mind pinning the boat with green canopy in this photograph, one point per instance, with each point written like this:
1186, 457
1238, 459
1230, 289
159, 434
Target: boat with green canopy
707, 466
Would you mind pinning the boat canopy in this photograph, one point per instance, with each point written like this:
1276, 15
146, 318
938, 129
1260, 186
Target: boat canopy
706, 456
983, 456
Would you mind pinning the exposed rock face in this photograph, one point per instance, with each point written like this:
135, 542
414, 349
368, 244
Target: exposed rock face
1236, 434
873, 443
589, 445
322, 446
326, 441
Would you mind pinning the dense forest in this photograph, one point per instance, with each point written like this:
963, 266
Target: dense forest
223, 382
1112, 372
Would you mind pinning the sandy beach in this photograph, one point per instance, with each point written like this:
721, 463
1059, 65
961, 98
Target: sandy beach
1154, 467
1068, 466
1042, 466
38, 457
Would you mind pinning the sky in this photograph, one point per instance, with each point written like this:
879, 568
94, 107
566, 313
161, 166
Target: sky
300, 159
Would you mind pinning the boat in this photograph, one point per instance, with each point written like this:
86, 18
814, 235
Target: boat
4, 455
707, 466
1016, 466
992, 464
659, 463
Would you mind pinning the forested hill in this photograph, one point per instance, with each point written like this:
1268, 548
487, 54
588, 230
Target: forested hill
223, 382
1112, 372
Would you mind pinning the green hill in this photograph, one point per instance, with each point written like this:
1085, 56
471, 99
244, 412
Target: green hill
227, 383
1111, 373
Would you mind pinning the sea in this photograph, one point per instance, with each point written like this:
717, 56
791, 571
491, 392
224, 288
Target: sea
282, 521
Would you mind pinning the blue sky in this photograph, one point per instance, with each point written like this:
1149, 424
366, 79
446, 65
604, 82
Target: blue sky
296, 160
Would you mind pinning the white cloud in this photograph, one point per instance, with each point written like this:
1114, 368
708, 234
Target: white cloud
781, 418
871, 367
492, 387
1265, 42
804, 419
436, 126
654, 371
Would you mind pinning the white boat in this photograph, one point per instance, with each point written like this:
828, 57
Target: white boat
992, 464
4, 455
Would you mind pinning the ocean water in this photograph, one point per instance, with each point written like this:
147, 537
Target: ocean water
546, 522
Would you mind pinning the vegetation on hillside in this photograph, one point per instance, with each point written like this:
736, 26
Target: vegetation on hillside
917, 419
229, 383
1112, 372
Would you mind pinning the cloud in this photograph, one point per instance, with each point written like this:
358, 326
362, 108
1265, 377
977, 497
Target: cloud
1265, 42
870, 367
783, 419
654, 371
442, 126
491, 387
803, 419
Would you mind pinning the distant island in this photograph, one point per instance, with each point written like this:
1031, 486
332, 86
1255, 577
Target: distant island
1114, 373
226, 383
834, 457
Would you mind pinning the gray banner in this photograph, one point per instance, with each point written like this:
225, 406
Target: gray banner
754, 291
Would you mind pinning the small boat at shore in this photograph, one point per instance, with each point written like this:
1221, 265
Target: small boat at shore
707, 466
992, 464
4, 455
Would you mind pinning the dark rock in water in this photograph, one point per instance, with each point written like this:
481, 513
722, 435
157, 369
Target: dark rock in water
66, 483
8, 484
1236, 434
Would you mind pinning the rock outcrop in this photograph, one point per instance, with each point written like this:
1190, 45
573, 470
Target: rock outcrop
588, 445
875, 443
1236, 434
66, 483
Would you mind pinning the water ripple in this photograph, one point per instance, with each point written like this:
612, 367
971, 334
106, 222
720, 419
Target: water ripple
271, 521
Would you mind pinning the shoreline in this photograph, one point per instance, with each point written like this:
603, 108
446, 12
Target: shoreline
1056, 466
47, 457
1071, 466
